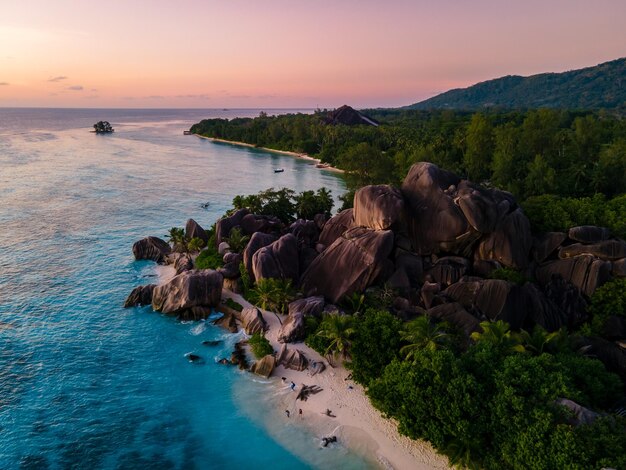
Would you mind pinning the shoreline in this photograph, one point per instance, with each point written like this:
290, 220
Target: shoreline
357, 424
302, 156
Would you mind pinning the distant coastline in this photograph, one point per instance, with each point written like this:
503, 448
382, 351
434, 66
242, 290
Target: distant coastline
303, 156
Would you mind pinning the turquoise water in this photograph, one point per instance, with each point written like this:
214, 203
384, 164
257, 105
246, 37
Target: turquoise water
85, 383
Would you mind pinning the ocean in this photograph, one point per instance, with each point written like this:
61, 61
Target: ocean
85, 383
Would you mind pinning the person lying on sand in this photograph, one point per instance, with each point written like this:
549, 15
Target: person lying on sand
329, 413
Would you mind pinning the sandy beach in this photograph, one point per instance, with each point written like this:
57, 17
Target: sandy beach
356, 423
303, 156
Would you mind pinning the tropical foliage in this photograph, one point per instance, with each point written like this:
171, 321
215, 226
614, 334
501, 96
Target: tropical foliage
272, 294
338, 330
260, 345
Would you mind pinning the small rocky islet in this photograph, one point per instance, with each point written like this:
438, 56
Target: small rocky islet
435, 241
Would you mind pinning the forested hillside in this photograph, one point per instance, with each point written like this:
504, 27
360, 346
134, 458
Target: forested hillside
602, 86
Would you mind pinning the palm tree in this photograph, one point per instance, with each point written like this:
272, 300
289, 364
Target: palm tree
237, 241
177, 238
272, 294
339, 331
195, 245
539, 340
499, 334
421, 334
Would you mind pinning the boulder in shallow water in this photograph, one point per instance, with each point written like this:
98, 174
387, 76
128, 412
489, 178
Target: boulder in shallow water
379, 207
279, 260
227, 321
194, 230
264, 366
152, 248
351, 264
195, 288
141, 295
252, 320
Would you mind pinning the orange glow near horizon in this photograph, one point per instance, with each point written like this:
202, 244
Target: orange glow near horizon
242, 53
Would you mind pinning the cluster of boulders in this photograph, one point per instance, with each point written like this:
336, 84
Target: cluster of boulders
435, 240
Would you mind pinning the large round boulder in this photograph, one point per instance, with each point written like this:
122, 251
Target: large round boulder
586, 272
510, 242
224, 225
606, 250
257, 241
279, 260
293, 329
141, 295
190, 289
588, 234
152, 248
194, 230
351, 264
336, 226
252, 320
379, 207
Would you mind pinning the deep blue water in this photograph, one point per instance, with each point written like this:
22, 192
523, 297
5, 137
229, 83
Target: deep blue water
85, 383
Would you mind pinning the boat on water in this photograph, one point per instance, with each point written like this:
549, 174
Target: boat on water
186, 132
278, 170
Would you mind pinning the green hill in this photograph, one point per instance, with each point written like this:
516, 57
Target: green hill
602, 86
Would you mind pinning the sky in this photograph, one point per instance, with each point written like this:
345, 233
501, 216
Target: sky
288, 53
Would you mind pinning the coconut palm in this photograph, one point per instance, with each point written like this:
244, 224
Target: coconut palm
339, 331
272, 294
499, 334
539, 341
421, 334
237, 241
177, 238
195, 245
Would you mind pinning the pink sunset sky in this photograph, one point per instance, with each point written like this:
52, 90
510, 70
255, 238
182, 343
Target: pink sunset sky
292, 53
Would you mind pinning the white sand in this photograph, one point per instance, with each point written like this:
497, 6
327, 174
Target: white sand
357, 425
303, 156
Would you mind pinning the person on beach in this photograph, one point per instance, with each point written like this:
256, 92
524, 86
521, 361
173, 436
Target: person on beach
287, 413
300, 413
293, 386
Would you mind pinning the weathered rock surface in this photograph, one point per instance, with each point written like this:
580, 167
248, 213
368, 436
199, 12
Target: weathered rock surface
455, 314
293, 329
257, 241
588, 234
232, 258
182, 262
581, 415
586, 272
230, 270
305, 231
493, 299
618, 268
606, 250
264, 366
448, 269
571, 306
252, 320
227, 321
509, 243
279, 260
292, 358
194, 230
252, 223
432, 217
141, 295
547, 244
379, 207
336, 226
195, 288
224, 225
350, 264
152, 248
223, 248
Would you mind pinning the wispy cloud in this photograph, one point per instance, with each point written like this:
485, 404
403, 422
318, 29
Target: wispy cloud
57, 79
155, 97
75, 88
202, 96
4, 83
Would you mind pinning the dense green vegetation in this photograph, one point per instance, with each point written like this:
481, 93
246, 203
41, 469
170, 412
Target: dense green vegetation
286, 204
260, 345
589, 88
209, 258
564, 154
490, 405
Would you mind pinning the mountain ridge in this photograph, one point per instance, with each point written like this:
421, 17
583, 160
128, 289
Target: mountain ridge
602, 86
